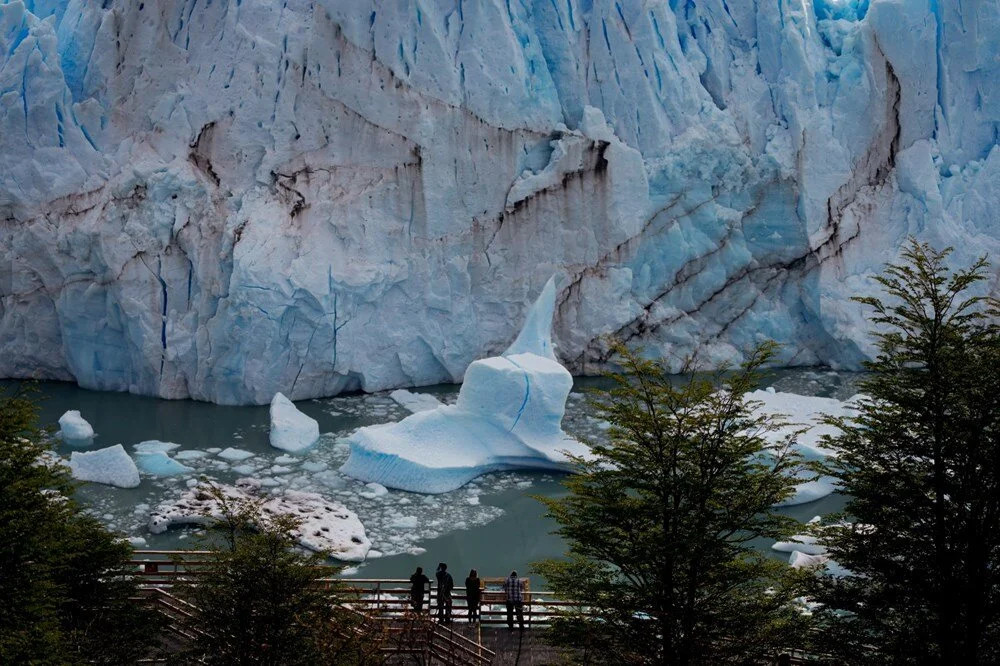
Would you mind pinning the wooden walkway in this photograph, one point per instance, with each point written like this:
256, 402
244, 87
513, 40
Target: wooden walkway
419, 639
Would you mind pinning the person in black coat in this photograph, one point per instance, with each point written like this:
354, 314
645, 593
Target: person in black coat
473, 595
445, 584
418, 589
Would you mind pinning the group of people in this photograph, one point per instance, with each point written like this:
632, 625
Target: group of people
513, 588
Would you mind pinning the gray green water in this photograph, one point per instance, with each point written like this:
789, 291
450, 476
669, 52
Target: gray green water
494, 524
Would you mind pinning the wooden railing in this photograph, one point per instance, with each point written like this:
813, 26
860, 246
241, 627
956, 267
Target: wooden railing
383, 597
385, 600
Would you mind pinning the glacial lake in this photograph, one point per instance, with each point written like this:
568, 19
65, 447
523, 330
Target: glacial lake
493, 524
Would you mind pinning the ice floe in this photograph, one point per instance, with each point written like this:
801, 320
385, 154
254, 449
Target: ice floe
415, 402
324, 525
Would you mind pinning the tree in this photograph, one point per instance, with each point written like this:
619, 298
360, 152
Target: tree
660, 523
260, 599
921, 464
65, 582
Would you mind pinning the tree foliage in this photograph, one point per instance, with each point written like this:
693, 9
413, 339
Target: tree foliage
921, 464
65, 583
260, 599
661, 523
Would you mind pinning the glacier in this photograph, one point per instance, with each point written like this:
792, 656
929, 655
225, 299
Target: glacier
227, 200
508, 416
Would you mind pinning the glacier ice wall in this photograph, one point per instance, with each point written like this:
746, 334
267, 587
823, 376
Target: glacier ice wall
224, 200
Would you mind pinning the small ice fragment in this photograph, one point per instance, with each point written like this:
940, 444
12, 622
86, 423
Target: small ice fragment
405, 522
155, 446
190, 454
235, 454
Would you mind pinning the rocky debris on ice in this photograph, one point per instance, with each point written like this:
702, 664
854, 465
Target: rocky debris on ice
324, 526
415, 402
111, 466
74, 429
508, 416
291, 430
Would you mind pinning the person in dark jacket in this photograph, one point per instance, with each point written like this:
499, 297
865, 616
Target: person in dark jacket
473, 595
445, 584
418, 589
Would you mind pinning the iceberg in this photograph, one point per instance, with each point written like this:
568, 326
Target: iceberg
111, 466
75, 430
324, 526
508, 416
291, 430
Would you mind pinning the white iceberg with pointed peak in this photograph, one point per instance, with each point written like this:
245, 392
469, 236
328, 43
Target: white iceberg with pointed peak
508, 416
291, 430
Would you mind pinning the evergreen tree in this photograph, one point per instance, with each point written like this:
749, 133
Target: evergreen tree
261, 600
921, 464
65, 582
660, 523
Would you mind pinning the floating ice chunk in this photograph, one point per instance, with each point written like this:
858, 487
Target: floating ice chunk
158, 463
404, 522
805, 411
415, 402
245, 469
74, 429
314, 466
111, 466
137, 542
155, 446
324, 525
508, 416
374, 490
286, 459
291, 430
235, 455
804, 543
190, 454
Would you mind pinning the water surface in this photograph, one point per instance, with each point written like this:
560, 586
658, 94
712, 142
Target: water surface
493, 524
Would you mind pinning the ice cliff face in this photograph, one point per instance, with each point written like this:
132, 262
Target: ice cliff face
224, 200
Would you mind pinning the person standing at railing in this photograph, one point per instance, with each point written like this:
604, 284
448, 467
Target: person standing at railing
445, 584
418, 589
513, 588
473, 595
